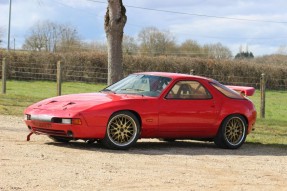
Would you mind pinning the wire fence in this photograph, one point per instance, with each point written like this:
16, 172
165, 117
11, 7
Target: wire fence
85, 73
34, 71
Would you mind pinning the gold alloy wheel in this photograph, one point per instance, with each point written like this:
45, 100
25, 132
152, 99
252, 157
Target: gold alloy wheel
235, 131
122, 130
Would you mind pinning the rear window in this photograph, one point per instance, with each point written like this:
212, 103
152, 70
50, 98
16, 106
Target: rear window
226, 91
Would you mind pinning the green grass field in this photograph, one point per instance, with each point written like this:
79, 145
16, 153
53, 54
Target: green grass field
20, 94
272, 130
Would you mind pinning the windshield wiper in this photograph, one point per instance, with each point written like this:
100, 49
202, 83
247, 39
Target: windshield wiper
131, 89
107, 90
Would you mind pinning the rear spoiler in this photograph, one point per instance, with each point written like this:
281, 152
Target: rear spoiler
246, 91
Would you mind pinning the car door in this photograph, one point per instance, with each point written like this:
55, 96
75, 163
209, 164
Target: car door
188, 109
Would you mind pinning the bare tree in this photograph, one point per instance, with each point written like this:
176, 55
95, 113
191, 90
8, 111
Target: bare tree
129, 45
191, 48
115, 21
155, 42
217, 51
36, 43
42, 37
68, 39
49, 36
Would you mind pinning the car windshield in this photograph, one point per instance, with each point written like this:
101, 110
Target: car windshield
140, 84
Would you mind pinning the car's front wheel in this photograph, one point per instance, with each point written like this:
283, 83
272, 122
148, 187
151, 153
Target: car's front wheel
232, 132
123, 130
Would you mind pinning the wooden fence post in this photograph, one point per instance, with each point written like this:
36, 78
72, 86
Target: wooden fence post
59, 78
262, 95
4, 77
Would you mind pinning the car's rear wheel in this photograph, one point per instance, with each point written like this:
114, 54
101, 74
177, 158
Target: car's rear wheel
232, 132
60, 139
123, 131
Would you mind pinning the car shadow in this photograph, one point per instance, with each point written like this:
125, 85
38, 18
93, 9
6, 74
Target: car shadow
182, 148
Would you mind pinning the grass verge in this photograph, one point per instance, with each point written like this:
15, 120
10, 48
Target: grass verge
273, 129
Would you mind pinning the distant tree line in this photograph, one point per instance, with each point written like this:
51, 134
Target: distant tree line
150, 41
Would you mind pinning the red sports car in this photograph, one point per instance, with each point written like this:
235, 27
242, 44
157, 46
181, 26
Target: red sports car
161, 105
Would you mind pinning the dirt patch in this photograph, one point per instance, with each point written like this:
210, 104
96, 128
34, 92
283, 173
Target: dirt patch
151, 165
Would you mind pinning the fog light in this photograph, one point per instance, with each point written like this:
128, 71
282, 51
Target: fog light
70, 134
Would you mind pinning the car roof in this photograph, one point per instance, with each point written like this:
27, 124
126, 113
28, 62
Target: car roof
174, 75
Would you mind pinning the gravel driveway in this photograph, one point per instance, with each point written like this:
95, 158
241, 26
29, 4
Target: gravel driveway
151, 165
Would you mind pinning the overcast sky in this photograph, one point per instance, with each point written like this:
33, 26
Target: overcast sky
259, 24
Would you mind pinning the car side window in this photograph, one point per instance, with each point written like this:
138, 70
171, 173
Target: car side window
188, 90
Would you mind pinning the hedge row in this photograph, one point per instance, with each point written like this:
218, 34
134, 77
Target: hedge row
92, 67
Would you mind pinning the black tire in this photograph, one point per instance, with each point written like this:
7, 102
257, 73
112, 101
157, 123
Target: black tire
123, 130
232, 132
60, 139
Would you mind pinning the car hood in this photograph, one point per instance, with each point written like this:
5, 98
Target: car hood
80, 102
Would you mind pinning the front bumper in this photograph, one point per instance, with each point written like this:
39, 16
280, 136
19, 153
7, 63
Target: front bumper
45, 126
56, 129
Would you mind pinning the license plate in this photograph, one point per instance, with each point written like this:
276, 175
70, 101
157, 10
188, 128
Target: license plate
41, 124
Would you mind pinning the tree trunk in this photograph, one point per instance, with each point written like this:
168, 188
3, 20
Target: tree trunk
115, 21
